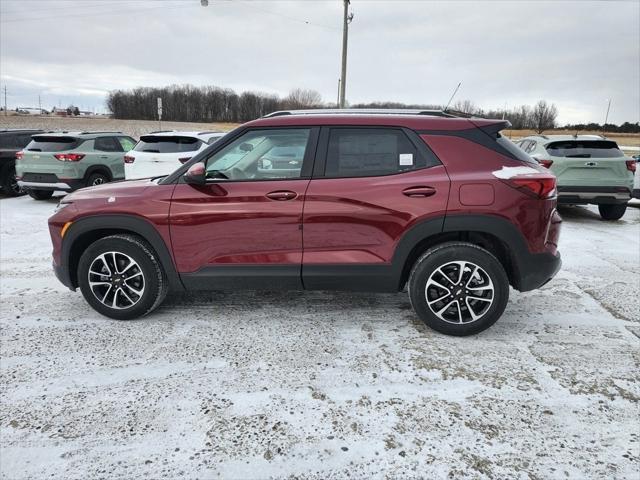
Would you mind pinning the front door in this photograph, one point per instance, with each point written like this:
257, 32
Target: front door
244, 227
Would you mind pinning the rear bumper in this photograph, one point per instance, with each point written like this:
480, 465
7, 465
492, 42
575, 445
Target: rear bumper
538, 269
67, 185
593, 195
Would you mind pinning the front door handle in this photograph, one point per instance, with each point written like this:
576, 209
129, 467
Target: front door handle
282, 195
419, 191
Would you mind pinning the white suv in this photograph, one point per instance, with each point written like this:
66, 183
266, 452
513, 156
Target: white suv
160, 153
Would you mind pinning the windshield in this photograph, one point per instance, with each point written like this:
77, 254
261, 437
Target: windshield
584, 149
167, 144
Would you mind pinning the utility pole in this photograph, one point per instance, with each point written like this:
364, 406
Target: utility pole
5, 100
39, 105
348, 17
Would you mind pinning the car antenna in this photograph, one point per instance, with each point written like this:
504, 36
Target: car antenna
453, 95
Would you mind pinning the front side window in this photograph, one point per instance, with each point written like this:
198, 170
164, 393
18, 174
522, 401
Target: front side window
365, 152
261, 155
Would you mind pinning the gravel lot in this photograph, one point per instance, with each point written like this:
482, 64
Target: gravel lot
322, 385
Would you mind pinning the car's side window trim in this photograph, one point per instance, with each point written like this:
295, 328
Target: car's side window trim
422, 149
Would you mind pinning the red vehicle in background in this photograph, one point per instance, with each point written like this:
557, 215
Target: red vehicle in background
325, 200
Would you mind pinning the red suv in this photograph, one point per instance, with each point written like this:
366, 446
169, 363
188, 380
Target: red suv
325, 200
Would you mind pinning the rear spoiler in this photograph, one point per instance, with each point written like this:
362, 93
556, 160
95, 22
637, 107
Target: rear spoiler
491, 127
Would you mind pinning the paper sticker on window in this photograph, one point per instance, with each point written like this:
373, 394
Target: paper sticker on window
406, 159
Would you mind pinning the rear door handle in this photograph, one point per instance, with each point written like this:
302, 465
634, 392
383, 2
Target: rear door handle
282, 195
419, 191
104, 157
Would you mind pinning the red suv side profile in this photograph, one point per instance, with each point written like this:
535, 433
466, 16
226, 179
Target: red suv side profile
325, 200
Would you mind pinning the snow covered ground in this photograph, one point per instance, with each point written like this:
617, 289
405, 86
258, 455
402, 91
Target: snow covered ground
322, 385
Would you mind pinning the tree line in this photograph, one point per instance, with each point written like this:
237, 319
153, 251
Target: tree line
187, 103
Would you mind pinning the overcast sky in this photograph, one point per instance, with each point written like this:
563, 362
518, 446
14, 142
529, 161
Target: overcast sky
576, 54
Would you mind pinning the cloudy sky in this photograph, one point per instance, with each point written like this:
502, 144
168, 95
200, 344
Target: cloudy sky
576, 54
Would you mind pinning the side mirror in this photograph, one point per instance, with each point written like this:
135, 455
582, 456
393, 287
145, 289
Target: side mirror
196, 175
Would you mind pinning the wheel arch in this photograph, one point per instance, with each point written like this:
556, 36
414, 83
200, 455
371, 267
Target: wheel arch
496, 235
85, 231
104, 169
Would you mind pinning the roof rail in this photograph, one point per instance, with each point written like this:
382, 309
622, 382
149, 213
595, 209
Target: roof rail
209, 131
91, 133
362, 111
160, 131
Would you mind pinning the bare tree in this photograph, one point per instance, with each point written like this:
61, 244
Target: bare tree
302, 98
543, 116
465, 106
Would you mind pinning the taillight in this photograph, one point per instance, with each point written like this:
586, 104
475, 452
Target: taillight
19, 155
541, 186
631, 166
69, 157
184, 159
546, 163
129, 159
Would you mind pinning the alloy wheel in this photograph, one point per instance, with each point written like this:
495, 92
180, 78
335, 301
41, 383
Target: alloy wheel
116, 280
459, 292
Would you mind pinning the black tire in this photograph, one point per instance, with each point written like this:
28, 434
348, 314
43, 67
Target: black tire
442, 256
97, 179
9, 183
612, 211
40, 194
154, 284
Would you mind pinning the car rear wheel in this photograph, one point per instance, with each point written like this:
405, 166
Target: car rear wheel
97, 179
40, 194
458, 288
120, 276
612, 211
9, 182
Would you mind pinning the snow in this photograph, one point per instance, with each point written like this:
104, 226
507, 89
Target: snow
506, 173
321, 385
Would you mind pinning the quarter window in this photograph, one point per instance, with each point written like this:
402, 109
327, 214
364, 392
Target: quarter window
261, 155
365, 152
127, 143
107, 144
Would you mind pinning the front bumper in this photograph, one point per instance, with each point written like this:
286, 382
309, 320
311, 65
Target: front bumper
62, 274
593, 195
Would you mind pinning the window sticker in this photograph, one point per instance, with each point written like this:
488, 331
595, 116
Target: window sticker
406, 159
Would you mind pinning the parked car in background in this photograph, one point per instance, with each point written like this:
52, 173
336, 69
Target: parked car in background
590, 170
366, 201
11, 142
70, 160
160, 153
636, 178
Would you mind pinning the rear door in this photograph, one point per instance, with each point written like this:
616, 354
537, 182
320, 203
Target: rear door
108, 151
244, 227
370, 185
39, 163
590, 163
161, 154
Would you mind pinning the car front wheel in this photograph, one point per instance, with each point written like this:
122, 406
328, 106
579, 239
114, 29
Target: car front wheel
458, 288
120, 276
612, 211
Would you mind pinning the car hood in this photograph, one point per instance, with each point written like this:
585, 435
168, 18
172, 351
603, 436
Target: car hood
126, 188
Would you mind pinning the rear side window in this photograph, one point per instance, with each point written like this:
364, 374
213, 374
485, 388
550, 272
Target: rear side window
514, 150
365, 152
167, 144
43, 143
107, 144
8, 141
127, 143
584, 149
